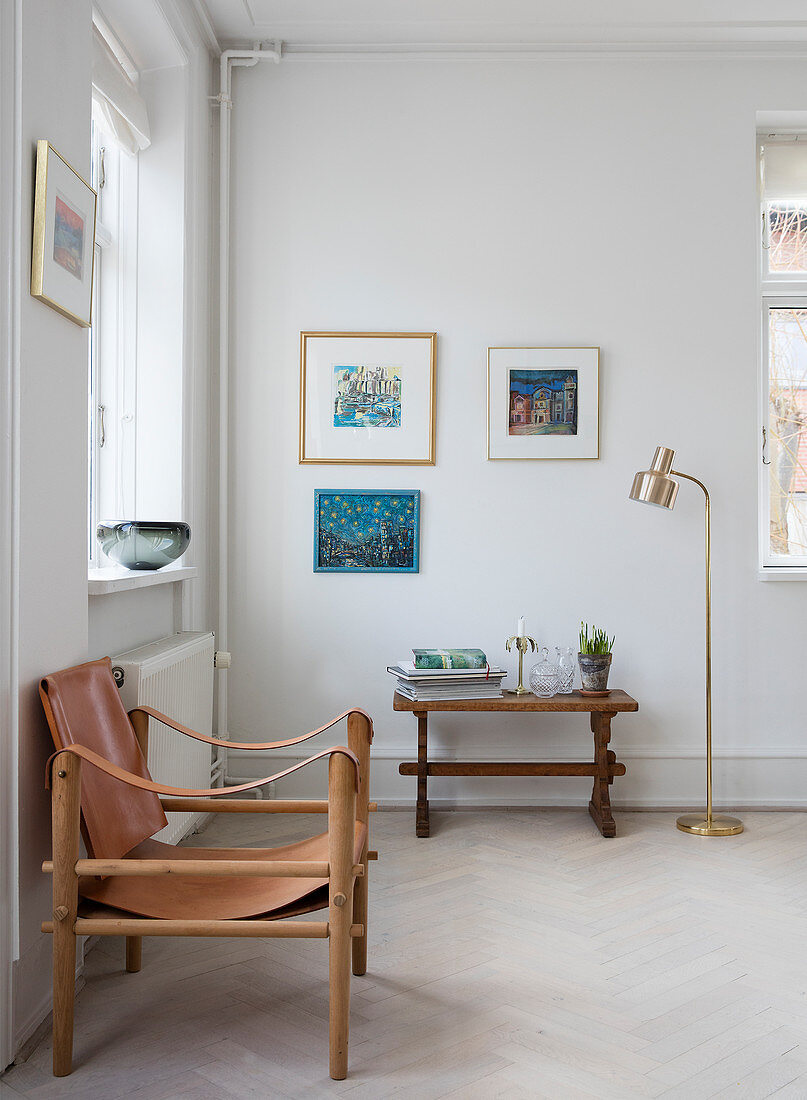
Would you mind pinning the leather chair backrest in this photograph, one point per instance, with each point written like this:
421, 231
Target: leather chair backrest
83, 707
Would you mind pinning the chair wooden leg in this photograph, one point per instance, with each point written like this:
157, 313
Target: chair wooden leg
134, 953
360, 917
341, 818
360, 734
65, 808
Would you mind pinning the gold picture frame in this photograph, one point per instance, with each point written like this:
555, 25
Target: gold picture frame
63, 246
506, 441
395, 425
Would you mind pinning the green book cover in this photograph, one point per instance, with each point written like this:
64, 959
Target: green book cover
449, 658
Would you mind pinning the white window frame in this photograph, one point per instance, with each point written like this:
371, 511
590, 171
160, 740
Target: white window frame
113, 377
779, 290
776, 282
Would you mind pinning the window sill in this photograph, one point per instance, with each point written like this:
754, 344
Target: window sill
104, 582
783, 573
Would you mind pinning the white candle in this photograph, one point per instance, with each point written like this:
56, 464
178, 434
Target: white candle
520, 632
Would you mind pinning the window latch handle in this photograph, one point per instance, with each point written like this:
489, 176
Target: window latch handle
101, 427
765, 461
101, 167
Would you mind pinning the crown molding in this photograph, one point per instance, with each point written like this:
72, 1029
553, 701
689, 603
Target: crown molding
205, 25
376, 51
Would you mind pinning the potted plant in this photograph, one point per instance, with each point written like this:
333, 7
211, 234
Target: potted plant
594, 659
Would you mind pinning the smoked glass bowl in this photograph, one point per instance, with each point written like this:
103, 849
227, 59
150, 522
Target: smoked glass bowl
138, 544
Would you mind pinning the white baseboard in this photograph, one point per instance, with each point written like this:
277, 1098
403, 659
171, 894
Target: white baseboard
637, 752
461, 805
668, 777
33, 1030
39, 1022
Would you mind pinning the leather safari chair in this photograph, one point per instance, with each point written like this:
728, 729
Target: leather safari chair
132, 885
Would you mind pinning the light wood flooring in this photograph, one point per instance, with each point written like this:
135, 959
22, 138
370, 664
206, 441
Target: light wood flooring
513, 954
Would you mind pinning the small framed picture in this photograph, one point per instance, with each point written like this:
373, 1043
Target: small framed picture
366, 530
63, 253
543, 403
367, 398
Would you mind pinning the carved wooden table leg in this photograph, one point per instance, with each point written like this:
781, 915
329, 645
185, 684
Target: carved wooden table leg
422, 814
600, 805
611, 762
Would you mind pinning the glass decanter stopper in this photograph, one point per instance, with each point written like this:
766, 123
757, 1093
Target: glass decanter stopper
544, 676
566, 669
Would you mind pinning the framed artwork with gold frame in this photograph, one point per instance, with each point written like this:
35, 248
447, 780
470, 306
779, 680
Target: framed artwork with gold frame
367, 398
543, 403
63, 252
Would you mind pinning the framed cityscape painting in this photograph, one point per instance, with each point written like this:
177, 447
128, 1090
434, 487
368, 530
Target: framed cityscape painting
543, 403
366, 530
367, 398
63, 249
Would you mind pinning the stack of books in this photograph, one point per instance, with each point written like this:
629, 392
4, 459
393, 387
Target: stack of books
429, 685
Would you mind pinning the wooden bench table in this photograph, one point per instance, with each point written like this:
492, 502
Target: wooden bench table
603, 768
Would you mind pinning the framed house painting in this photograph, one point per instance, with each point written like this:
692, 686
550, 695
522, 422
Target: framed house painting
63, 252
543, 403
367, 398
366, 530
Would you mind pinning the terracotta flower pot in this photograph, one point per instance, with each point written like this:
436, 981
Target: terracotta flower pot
594, 669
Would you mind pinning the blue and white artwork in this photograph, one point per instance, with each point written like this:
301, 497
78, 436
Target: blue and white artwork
366, 531
367, 397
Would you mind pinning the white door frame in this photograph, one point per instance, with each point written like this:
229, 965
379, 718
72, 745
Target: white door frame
10, 189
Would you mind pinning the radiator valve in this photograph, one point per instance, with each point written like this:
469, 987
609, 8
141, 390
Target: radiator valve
222, 659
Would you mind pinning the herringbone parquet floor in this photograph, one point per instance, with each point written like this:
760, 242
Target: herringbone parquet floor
513, 954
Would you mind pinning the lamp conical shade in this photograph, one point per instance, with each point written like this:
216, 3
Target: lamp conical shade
655, 486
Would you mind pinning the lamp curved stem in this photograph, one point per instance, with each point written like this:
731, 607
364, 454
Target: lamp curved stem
688, 477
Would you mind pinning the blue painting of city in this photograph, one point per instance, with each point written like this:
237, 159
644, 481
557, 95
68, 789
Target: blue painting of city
366, 532
367, 397
543, 402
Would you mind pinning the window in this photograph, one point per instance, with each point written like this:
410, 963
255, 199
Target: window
141, 381
119, 131
112, 350
783, 534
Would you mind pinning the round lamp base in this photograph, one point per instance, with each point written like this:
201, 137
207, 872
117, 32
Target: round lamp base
720, 825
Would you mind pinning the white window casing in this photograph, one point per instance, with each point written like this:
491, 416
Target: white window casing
138, 373
782, 184
117, 104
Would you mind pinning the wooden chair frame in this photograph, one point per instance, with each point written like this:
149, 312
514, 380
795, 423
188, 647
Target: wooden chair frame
346, 926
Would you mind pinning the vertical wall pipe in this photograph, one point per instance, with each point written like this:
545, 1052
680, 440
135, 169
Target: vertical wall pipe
228, 59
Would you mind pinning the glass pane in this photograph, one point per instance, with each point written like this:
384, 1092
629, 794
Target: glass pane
91, 379
787, 236
93, 426
787, 438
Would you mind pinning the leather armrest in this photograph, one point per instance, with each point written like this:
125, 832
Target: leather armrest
183, 792
248, 745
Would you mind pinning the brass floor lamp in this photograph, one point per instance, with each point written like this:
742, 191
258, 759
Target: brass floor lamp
658, 486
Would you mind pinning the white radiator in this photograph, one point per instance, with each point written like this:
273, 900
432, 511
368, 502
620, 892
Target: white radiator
174, 675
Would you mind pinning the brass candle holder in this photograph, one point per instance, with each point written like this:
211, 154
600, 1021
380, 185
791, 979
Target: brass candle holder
522, 643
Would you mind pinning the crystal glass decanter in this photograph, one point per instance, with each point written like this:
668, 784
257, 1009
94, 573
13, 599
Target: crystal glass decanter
566, 669
544, 676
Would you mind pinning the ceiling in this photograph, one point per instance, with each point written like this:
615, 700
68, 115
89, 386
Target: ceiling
149, 42
742, 25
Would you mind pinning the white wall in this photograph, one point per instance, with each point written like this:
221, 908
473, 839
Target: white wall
54, 628
55, 104
9, 381
604, 202
125, 620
